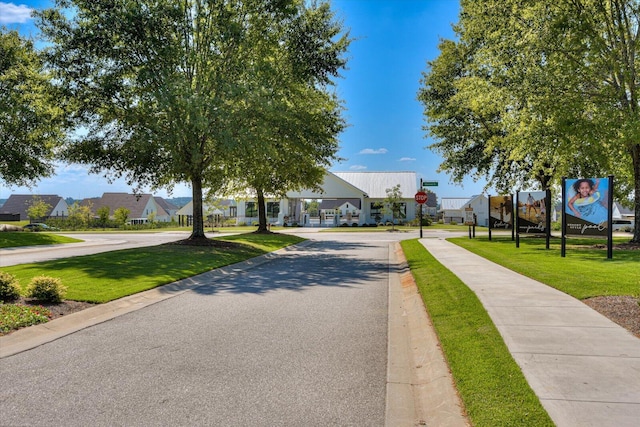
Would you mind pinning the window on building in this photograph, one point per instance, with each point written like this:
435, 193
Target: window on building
403, 209
233, 211
273, 209
251, 210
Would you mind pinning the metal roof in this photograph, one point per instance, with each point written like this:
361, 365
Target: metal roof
374, 184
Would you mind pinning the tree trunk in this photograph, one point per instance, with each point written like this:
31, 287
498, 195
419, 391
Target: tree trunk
262, 214
198, 223
635, 155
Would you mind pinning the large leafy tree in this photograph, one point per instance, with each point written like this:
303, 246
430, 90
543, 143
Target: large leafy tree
532, 91
30, 120
159, 88
293, 119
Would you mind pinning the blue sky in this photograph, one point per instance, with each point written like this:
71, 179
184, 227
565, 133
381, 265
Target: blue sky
394, 39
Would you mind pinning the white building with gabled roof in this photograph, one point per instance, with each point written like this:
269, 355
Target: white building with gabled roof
363, 191
453, 209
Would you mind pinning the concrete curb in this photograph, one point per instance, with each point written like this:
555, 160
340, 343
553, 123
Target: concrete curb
420, 388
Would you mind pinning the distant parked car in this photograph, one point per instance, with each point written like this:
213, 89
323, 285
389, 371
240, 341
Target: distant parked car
38, 226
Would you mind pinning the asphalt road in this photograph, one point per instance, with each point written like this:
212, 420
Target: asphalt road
300, 340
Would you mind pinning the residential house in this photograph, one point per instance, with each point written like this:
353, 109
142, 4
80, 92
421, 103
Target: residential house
169, 208
330, 209
453, 209
18, 204
140, 206
223, 208
620, 212
430, 208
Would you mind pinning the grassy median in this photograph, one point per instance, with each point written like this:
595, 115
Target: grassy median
26, 238
108, 276
490, 383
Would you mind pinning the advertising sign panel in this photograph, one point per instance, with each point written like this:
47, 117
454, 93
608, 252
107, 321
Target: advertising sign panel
501, 212
532, 212
468, 216
586, 206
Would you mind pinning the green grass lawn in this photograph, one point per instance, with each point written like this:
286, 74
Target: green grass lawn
22, 238
584, 272
111, 275
490, 383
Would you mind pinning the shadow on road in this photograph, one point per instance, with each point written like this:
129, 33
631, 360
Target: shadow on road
327, 263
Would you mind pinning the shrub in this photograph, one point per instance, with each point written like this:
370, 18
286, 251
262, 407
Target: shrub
44, 288
453, 223
355, 224
9, 287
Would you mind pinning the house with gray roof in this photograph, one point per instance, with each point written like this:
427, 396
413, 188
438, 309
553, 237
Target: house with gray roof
169, 208
140, 206
18, 204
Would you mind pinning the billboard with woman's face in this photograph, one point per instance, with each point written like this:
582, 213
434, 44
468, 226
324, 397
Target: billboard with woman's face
586, 209
532, 212
501, 212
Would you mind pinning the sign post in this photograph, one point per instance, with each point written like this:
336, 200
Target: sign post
468, 218
421, 198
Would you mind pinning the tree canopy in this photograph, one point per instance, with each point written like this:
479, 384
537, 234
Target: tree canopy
533, 91
292, 118
169, 91
30, 120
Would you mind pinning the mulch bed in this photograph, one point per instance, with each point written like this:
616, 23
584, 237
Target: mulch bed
623, 310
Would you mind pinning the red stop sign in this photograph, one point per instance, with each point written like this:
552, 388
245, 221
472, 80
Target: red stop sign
421, 197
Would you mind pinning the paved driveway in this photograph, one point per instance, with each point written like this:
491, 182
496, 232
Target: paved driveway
300, 340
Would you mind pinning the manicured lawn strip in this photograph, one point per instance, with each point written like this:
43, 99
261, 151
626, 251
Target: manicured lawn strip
22, 238
107, 276
492, 387
584, 272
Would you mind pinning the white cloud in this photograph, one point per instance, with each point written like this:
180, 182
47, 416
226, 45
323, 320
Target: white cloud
12, 14
372, 151
357, 168
407, 159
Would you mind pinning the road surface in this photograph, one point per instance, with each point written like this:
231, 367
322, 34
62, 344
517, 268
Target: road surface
300, 340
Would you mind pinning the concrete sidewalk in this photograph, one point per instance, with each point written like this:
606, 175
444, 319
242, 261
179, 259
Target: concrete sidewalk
584, 368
